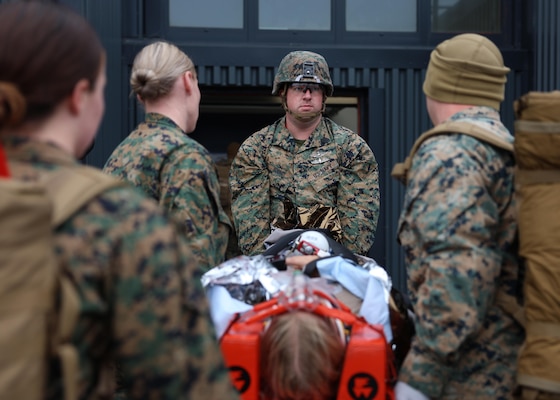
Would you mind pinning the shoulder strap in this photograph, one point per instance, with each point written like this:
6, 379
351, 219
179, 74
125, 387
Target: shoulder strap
400, 170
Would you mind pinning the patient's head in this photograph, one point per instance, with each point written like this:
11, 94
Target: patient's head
301, 357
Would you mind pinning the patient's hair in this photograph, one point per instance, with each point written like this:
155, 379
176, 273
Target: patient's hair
301, 358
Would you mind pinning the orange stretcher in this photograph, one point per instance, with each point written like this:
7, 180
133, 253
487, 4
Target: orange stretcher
368, 372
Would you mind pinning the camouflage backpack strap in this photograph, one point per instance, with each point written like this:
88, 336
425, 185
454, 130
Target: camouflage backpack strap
400, 170
71, 188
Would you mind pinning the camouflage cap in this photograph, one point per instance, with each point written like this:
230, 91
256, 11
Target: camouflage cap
303, 66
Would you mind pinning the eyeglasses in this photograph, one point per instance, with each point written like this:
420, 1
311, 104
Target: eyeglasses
304, 87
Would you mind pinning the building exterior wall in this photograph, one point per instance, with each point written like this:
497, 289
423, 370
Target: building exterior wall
545, 44
388, 78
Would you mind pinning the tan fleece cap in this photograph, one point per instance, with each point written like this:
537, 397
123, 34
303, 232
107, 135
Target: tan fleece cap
466, 69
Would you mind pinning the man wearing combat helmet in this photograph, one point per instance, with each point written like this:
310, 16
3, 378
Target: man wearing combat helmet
304, 170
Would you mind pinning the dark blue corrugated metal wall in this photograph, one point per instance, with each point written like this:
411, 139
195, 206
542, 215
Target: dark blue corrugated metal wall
396, 110
546, 45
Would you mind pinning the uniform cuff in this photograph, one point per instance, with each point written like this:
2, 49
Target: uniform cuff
404, 391
423, 373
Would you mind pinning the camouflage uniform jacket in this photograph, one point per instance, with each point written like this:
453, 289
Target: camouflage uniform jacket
142, 302
334, 167
458, 230
177, 171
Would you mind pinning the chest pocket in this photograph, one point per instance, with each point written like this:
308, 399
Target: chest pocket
324, 176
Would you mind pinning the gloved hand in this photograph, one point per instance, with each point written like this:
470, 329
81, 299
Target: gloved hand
404, 391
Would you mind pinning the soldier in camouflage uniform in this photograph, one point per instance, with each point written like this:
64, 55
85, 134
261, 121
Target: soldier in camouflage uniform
142, 303
161, 159
304, 170
458, 230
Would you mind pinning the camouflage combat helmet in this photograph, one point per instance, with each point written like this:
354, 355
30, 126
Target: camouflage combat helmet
303, 66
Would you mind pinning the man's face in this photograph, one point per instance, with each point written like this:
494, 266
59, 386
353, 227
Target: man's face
305, 99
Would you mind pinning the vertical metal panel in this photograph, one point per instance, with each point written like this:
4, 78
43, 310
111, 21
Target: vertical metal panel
546, 42
106, 18
375, 136
352, 77
404, 124
215, 75
336, 76
263, 81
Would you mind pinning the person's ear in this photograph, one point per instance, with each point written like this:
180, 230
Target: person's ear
78, 96
188, 81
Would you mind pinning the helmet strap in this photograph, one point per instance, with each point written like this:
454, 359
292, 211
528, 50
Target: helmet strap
298, 116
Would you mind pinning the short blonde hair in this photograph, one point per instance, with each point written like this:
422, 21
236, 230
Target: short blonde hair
156, 68
301, 357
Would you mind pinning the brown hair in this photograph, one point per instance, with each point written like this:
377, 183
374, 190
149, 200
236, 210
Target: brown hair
45, 49
156, 68
301, 358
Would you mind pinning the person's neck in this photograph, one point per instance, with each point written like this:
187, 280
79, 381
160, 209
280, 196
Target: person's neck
301, 130
57, 129
445, 110
169, 109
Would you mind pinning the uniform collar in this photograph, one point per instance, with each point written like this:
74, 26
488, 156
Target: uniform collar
160, 119
29, 150
321, 136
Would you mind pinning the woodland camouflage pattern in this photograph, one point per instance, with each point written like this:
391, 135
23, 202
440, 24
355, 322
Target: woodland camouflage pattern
334, 167
178, 172
142, 300
458, 230
291, 69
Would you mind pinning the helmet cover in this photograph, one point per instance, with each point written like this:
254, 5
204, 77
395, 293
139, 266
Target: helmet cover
303, 66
